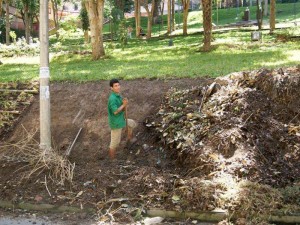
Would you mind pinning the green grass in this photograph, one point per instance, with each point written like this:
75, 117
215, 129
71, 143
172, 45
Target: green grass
233, 51
155, 59
284, 12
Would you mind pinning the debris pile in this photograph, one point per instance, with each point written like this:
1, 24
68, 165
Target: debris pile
245, 124
14, 99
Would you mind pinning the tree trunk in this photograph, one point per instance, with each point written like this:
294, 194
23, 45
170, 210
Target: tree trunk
95, 12
266, 8
7, 24
259, 14
272, 15
207, 24
169, 16
173, 15
162, 14
120, 5
137, 15
27, 23
55, 16
150, 15
1, 8
156, 10
186, 5
86, 36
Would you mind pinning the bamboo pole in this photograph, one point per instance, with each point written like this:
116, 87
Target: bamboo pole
70, 148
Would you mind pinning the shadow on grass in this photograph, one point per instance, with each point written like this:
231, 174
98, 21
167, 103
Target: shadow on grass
165, 65
18, 72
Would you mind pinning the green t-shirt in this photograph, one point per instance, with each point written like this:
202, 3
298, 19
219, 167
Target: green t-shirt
115, 121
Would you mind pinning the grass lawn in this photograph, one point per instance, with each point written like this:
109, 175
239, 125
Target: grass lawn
150, 59
233, 51
284, 12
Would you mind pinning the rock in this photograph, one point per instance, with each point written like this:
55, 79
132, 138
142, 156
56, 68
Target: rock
87, 183
145, 147
38, 198
153, 220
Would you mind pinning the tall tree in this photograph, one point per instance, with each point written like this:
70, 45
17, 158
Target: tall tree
156, 11
95, 11
207, 24
144, 3
173, 14
259, 14
27, 20
162, 13
55, 4
266, 8
28, 9
137, 14
1, 1
7, 22
272, 15
186, 6
85, 22
169, 16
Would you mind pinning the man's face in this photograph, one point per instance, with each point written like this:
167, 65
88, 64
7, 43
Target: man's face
116, 88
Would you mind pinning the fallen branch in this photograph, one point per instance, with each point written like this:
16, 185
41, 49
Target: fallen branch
44, 207
10, 112
26, 91
218, 216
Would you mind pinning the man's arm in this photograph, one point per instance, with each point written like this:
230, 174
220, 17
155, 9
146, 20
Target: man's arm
121, 108
117, 110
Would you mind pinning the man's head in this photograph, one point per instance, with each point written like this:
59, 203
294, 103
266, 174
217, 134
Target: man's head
115, 85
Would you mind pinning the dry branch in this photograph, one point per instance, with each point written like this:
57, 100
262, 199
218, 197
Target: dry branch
14, 90
59, 169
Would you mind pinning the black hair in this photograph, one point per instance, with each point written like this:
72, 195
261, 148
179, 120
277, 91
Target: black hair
113, 81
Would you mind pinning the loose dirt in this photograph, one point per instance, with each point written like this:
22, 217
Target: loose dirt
231, 143
96, 178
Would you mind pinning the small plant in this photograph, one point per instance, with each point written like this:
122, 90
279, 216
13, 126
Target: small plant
122, 34
13, 35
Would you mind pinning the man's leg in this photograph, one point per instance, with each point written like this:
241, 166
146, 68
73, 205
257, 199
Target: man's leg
131, 125
115, 140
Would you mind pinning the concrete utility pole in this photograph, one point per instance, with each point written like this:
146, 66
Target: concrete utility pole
45, 131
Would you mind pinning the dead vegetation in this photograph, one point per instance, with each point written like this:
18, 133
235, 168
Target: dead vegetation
14, 99
55, 166
238, 139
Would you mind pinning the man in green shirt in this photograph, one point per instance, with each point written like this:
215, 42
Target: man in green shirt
116, 117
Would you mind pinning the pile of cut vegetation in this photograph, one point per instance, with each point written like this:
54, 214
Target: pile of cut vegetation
238, 139
14, 99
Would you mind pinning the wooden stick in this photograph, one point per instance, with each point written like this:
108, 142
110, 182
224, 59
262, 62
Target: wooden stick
126, 117
70, 148
13, 90
10, 112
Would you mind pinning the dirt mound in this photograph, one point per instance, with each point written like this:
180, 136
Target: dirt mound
245, 124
